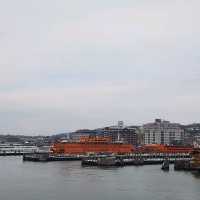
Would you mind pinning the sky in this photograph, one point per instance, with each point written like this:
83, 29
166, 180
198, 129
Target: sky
67, 65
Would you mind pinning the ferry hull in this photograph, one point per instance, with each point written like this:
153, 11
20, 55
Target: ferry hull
83, 148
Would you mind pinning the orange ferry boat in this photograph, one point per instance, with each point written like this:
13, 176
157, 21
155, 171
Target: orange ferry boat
99, 144
91, 144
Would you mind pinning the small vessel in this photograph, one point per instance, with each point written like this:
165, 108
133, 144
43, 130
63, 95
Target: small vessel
36, 157
165, 165
106, 161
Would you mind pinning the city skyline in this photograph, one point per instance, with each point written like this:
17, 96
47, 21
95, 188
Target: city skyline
70, 65
113, 125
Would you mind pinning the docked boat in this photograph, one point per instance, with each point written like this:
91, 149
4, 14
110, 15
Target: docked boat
36, 157
16, 149
90, 144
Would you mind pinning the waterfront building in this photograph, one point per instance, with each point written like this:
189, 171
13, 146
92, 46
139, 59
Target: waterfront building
192, 134
192, 128
126, 134
163, 132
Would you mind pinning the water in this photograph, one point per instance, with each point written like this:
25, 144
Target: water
69, 181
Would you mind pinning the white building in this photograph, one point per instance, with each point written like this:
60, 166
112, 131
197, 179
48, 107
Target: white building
163, 132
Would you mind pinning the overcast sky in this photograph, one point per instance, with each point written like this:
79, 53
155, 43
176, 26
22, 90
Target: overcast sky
66, 65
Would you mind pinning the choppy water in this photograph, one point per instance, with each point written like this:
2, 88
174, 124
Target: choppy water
69, 181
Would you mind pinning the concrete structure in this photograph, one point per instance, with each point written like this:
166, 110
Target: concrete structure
163, 132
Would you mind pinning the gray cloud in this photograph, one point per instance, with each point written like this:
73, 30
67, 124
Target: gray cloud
67, 65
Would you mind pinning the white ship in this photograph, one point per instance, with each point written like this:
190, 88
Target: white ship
6, 149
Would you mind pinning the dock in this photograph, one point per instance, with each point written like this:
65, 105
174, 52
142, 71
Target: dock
134, 159
46, 157
108, 160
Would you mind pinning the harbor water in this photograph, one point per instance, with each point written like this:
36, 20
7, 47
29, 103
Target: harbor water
68, 180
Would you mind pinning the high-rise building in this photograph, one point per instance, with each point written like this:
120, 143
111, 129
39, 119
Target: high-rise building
163, 132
